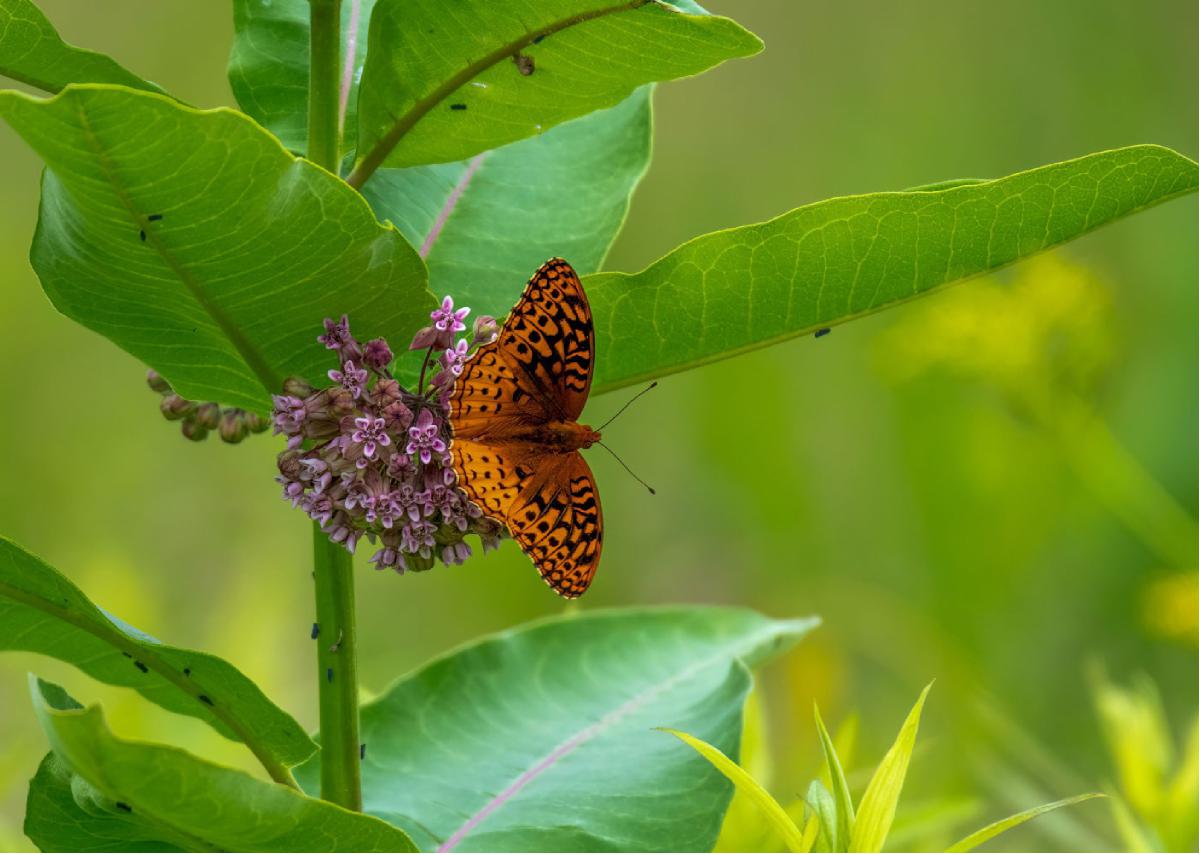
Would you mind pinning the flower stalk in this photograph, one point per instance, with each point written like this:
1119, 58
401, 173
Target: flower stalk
337, 672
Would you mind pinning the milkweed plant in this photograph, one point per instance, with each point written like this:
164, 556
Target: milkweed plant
263, 262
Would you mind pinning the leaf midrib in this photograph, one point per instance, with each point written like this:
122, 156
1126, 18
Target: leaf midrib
733, 653
380, 151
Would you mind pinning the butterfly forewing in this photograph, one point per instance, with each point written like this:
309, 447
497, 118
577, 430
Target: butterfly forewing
537, 371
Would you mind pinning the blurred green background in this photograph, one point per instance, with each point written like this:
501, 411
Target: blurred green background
939, 529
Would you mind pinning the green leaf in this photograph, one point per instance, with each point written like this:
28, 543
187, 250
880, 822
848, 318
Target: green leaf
825, 813
541, 738
729, 292
64, 813
771, 810
42, 612
485, 225
268, 65
442, 85
878, 806
837, 779
983, 835
225, 295
32, 52
167, 795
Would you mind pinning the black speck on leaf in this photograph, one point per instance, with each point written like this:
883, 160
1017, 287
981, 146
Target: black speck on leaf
458, 106
142, 234
538, 39
362, 751
124, 807
187, 672
329, 674
154, 218
821, 332
316, 630
206, 699
141, 667
126, 655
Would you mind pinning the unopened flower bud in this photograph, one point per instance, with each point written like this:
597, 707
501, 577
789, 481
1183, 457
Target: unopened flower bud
377, 355
232, 426
298, 387
341, 402
485, 330
255, 423
174, 407
193, 430
426, 337
157, 383
208, 415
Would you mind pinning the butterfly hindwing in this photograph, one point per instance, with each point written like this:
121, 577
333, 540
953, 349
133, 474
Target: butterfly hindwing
557, 520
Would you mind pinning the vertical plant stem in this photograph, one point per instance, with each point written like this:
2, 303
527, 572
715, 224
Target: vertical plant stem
325, 45
337, 672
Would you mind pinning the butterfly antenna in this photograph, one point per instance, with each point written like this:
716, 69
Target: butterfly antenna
627, 469
613, 417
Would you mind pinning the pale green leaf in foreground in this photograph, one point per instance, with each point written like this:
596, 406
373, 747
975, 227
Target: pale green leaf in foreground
183, 801
484, 226
542, 738
41, 611
823, 816
823, 264
32, 52
837, 781
772, 811
983, 835
246, 249
878, 806
442, 84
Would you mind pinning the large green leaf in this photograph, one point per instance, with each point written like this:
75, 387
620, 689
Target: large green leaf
541, 738
171, 800
441, 84
485, 225
225, 294
42, 612
732, 291
32, 52
268, 65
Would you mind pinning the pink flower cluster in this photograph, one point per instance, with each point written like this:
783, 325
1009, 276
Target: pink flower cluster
367, 457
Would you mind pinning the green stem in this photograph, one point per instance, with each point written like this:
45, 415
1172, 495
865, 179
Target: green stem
325, 45
337, 672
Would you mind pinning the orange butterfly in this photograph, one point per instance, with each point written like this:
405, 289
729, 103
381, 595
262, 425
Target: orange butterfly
516, 439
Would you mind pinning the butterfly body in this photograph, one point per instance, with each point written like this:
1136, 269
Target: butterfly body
514, 415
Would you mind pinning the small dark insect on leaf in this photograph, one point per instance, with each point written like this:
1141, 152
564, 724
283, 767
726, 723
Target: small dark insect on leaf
142, 234
154, 218
141, 667
538, 39
458, 106
316, 630
329, 675
821, 332
124, 807
126, 655
187, 672
524, 64
205, 699
362, 751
